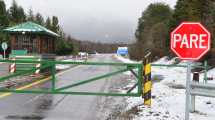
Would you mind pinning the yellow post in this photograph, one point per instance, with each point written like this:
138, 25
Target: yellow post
147, 84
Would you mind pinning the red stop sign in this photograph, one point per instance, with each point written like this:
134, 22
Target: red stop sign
190, 41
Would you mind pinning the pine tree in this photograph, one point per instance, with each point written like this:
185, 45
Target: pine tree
195, 11
152, 30
3, 15
16, 13
30, 16
48, 23
3, 19
39, 19
55, 24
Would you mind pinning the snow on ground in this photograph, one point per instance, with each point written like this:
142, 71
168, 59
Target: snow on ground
168, 101
123, 59
68, 59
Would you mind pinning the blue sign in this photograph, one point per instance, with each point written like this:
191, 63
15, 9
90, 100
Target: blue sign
122, 51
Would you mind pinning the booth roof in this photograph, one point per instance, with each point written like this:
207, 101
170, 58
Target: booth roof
30, 27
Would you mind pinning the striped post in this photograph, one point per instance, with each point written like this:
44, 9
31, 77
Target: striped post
38, 65
147, 83
12, 67
28, 66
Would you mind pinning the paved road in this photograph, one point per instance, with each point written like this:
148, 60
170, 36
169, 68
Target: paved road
67, 107
3, 69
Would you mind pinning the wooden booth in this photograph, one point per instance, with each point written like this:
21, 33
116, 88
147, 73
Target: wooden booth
32, 37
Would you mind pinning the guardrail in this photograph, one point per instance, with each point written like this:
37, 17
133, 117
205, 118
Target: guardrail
202, 89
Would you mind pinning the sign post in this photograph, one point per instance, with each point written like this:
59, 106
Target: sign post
187, 107
4, 47
190, 41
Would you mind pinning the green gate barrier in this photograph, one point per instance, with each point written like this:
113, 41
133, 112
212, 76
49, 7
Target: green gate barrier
62, 90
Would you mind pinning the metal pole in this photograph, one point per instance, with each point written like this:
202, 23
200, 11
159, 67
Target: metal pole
193, 97
53, 71
4, 54
205, 73
187, 107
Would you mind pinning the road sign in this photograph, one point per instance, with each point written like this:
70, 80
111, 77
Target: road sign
4, 45
190, 41
122, 51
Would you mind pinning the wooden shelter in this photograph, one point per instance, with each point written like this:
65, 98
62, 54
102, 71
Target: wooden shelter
32, 37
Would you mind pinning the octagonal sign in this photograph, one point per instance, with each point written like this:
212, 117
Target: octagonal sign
190, 41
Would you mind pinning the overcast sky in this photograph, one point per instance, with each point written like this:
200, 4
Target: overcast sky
98, 20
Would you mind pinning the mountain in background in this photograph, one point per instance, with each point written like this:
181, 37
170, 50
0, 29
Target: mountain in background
101, 31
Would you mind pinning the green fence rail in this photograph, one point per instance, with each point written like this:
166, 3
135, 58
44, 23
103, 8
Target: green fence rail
135, 68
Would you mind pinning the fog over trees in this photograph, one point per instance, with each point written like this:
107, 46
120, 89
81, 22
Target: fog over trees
66, 44
94, 20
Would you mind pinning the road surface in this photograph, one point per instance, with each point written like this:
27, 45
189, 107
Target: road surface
69, 107
4, 69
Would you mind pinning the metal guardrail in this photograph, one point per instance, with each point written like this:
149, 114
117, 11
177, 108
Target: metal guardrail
202, 89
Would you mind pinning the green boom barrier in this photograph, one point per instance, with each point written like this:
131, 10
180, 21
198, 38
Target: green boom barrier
135, 68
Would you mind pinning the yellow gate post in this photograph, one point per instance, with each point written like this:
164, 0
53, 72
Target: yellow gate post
147, 83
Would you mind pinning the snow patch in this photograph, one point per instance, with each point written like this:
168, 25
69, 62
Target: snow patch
123, 59
63, 67
168, 95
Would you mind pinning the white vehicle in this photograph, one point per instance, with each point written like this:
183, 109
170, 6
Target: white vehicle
83, 55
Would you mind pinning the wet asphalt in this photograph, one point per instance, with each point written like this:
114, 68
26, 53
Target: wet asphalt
62, 107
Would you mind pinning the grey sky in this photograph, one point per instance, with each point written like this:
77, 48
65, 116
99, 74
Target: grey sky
99, 20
